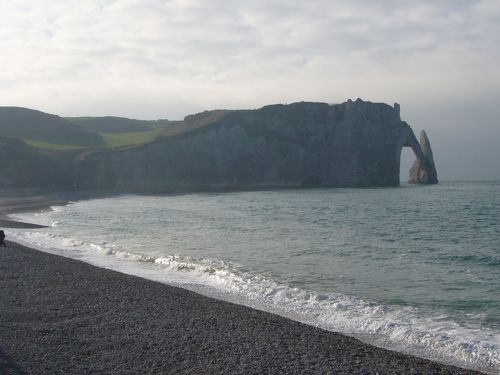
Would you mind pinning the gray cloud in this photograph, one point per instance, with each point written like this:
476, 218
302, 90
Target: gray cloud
160, 58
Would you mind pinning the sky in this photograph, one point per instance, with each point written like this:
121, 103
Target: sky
155, 59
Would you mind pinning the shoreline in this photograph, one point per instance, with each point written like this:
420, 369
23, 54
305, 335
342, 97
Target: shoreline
37, 200
350, 362
65, 316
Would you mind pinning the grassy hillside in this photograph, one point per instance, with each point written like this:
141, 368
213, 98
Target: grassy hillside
51, 146
193, 122
126, 139
110, 140
24, 123
116, 125
45, 131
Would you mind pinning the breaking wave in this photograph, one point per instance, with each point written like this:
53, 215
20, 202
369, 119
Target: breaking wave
403, 329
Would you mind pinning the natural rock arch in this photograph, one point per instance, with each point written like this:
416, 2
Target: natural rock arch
356, 144
423, 170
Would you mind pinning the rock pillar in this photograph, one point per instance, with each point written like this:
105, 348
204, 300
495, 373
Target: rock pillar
423, 170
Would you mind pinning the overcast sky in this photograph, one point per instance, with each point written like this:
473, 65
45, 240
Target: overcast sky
165, 59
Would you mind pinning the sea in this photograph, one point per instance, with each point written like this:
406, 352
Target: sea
412, 268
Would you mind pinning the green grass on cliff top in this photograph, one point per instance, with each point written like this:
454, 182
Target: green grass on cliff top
118, 140
51, 146
110, 139
127, 139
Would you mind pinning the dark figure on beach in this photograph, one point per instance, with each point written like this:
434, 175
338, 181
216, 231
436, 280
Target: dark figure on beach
2, 237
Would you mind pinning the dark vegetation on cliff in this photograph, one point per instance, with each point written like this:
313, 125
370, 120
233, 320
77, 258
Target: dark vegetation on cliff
302, 144
28, 124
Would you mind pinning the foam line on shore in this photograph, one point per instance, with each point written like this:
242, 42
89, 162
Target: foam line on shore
194, 288
66, 316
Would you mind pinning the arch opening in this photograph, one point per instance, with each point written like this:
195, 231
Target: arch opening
407, 159
423, 170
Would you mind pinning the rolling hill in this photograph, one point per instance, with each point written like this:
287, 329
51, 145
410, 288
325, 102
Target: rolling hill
46, 131
32, 125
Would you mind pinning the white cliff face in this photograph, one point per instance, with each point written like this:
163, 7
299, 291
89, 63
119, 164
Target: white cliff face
351, 144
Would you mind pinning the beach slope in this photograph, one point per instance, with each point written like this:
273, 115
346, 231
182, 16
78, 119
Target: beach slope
62, 316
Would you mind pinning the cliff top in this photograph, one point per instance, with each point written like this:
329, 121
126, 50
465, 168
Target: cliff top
43, 130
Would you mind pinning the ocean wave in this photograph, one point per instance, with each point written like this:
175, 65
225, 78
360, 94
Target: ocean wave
404, 329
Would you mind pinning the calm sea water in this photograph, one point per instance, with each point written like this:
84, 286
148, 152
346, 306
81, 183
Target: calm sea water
416, 269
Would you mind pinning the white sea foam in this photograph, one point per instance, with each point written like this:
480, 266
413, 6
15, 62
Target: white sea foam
403, 329
253, 248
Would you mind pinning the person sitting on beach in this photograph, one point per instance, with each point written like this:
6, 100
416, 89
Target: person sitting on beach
2, 237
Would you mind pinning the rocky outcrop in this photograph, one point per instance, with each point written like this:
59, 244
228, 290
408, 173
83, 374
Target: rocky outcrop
356, 143
22, 166
423, 170
92, 170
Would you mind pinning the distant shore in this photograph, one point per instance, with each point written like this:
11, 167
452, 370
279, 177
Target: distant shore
60, 315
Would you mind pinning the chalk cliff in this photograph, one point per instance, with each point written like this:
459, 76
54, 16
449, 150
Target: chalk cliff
24, 166
423, 170
356, 143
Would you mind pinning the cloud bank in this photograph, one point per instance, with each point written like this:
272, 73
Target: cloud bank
165, 59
